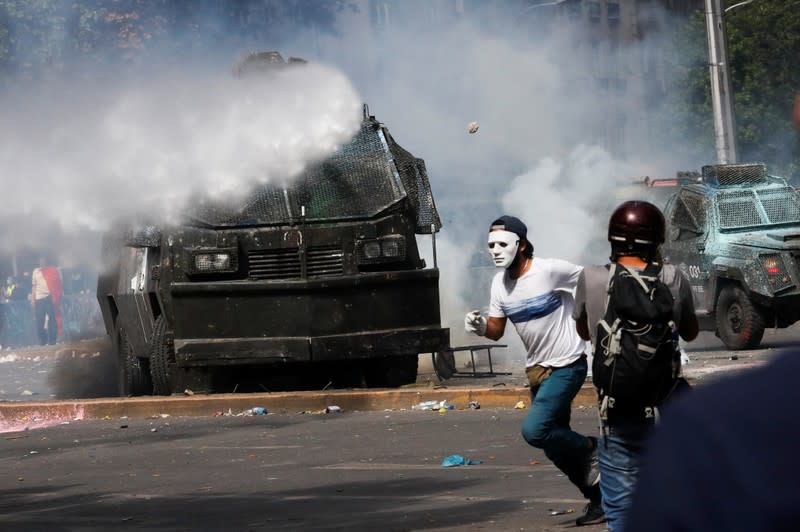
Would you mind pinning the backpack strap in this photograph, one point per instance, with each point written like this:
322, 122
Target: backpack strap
640, 277
612, 268
613, 348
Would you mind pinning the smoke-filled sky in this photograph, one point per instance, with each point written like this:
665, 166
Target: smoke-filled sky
81, 150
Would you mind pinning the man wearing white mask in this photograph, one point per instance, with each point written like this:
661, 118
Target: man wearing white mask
537, 295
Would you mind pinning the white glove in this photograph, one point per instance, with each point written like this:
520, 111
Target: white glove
475, 323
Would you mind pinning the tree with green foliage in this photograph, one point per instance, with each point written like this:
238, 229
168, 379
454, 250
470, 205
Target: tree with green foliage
764, 55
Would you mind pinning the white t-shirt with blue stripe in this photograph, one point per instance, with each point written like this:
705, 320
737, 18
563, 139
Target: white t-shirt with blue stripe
540, 304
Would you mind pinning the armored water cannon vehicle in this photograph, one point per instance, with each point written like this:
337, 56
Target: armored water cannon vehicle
319, 278
734, 231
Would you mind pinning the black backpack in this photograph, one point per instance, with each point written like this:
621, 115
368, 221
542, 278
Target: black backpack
636, 357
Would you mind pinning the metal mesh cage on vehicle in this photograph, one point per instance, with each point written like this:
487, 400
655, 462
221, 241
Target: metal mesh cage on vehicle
734, 174
696, 207
415, 180
781, 205
740, 209
361, 179
687, 209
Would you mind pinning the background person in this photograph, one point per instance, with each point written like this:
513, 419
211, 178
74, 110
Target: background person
9, 288
46, 292
536, 295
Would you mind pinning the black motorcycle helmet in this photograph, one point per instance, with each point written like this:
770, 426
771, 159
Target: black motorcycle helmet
636, 228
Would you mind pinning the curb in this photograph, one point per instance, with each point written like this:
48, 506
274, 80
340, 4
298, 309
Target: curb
286, 402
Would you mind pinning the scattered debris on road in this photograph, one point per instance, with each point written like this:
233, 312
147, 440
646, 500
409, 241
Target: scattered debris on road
457, 460
433, 405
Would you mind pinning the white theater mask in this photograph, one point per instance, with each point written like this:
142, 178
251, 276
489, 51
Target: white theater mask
503, 246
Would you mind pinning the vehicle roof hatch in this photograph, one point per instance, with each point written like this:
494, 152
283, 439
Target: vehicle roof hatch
733, 175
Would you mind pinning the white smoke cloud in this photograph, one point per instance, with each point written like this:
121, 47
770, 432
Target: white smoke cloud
567, 202
82, 152
540, 152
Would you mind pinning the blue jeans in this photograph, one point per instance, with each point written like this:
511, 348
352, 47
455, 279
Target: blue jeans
547, 427
621, 450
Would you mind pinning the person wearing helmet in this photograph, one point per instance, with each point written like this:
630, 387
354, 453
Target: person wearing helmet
536, 294
635, 231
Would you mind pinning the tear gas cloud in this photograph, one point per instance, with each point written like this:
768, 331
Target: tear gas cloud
539, 153
82, 152
117, 146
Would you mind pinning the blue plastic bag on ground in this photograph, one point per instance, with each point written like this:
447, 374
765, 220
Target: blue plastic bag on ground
458, 460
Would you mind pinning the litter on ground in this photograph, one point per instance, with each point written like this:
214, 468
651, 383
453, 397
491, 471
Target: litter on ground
457, 460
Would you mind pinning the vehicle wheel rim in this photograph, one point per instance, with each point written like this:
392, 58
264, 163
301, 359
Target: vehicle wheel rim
735, 318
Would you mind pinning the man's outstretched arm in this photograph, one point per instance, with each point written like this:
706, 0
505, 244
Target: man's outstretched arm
495, 327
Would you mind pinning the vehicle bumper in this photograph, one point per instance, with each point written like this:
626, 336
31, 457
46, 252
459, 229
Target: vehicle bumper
236, 351
784, 308
252, 322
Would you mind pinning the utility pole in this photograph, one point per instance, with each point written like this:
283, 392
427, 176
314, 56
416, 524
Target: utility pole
721, 92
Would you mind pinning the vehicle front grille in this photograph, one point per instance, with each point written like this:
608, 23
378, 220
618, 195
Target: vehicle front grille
325, 261
277, 264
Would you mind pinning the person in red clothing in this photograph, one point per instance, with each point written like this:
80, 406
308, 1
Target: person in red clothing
46, 292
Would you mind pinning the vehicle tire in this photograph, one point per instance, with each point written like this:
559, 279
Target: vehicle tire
134, 372
740, 323
160, 358
394, 371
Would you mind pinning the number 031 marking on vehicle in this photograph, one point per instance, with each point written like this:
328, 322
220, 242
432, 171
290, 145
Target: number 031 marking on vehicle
694, 271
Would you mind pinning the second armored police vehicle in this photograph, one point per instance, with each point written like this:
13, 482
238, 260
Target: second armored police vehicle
734, 231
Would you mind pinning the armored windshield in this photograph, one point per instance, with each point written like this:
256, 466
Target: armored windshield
758, 207
361, 179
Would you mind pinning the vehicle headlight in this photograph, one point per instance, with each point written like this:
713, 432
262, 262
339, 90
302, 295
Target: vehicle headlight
214, 261
772, 264
777, 274
207, 262
371, 249
393, 247
390, 248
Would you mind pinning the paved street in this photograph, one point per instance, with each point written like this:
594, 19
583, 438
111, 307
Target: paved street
347, 471
354, 470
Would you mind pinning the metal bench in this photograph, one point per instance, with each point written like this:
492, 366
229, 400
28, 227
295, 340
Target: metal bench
472, 350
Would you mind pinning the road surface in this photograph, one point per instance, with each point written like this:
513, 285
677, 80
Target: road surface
347, 471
